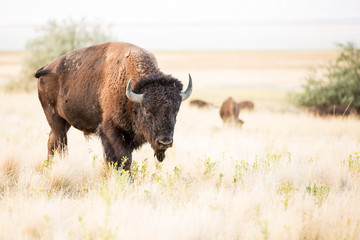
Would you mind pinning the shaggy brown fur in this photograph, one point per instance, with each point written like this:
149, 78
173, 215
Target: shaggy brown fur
86, 89
229, 112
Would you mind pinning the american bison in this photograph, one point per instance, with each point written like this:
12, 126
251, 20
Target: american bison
229, 112
249, 105
200, 103
91, 90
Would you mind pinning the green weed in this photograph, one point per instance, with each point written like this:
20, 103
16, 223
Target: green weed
209, 167
269, 161
286, 192
144, 168
264, 228
320, 193
94, 158
219, 183
121, 176
135, 169
353, 162
263, 225
177, 172
139, 173
47, 164
241, 168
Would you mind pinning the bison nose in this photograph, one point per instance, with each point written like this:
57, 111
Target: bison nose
164, 142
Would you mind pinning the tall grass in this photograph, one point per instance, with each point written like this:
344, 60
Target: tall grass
281, 176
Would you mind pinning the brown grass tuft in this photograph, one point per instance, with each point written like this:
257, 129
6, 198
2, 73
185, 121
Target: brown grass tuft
9, 171
63, 176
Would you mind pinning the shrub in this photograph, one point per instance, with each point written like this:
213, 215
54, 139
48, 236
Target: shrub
54, 40
337, 83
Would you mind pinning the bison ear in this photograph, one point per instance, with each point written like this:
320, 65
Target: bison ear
185, 95
133, 96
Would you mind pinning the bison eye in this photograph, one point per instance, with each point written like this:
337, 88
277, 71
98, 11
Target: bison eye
147, 112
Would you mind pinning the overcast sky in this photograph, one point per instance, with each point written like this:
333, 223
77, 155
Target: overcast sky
210, 15
25, 12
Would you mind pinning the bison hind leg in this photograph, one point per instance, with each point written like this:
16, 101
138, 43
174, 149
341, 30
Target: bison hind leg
57, 137
56, 143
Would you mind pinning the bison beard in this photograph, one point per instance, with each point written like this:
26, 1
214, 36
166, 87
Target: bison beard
160, 155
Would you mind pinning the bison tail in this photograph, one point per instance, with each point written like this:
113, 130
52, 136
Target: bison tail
41, 72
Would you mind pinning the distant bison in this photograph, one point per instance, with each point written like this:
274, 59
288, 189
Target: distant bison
91, 90
229, 112
249, 105
200, 103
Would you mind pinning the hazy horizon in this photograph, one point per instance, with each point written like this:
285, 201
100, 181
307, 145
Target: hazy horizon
195, 25
211, 36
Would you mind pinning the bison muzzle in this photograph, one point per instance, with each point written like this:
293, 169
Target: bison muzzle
115, 90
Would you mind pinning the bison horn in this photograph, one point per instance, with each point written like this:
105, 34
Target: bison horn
186, 94
131, 95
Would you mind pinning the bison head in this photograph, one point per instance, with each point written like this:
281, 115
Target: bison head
158, 99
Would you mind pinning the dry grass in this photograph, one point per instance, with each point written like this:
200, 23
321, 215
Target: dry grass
283, 175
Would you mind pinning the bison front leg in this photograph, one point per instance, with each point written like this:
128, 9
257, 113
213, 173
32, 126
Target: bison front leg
116, 146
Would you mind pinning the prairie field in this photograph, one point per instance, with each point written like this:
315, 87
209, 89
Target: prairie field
285, 174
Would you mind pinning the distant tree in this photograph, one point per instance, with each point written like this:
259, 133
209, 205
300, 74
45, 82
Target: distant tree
337, 83
54, 40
